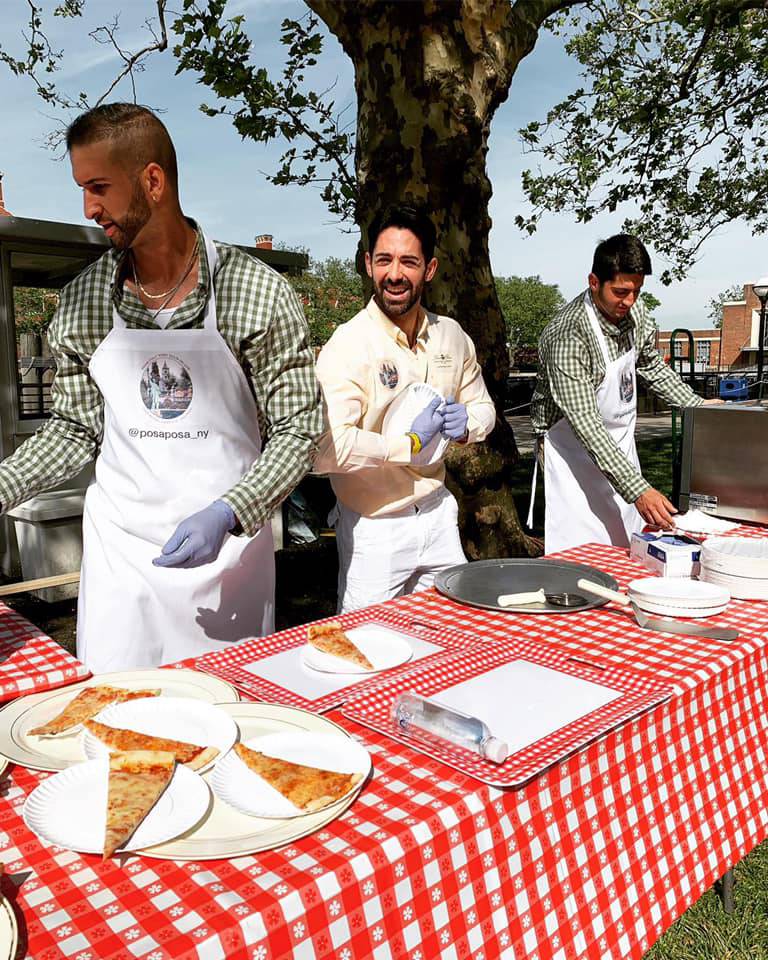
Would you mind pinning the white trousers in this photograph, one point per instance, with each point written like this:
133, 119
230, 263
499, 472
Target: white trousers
385, 557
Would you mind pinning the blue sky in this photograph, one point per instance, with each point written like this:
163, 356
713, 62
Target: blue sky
221, 176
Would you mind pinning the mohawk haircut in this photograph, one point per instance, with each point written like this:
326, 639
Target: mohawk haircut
135, 133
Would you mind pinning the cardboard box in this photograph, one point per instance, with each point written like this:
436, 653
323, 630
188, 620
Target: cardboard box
667, 554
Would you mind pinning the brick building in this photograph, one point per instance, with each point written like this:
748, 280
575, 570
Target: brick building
706, 345
732, 348
741, 329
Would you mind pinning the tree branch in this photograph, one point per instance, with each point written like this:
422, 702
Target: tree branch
132, 61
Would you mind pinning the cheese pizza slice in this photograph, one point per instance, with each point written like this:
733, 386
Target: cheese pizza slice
119, 739
137, 780
330, 638
307, 788
87, 704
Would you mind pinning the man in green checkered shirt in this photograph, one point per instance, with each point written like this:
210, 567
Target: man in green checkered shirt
184, 369
584, 406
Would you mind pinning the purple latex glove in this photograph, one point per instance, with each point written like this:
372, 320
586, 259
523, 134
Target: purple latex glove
198, 539
428, 422
455, 419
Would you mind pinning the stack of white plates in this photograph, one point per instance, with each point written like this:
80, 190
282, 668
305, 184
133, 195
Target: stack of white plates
678, 597
739, 564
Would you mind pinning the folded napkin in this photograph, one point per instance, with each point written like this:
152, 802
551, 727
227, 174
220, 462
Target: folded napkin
30, 661
695, 521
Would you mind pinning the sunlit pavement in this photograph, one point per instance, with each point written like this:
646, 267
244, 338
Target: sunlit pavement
648, 428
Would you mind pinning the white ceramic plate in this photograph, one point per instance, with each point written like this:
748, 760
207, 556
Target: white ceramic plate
401, 413
678, 592
9, 931
244, 790
70, 808
225, 832
667, 610
178, 718
58, 753
384, 647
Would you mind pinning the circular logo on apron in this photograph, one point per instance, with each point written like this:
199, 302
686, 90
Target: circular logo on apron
626, 386
166, 387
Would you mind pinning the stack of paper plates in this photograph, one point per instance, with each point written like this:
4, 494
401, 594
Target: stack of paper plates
678, 597
401, 413
739, 564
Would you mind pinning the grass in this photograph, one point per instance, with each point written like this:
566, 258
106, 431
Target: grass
655, 459
306, 579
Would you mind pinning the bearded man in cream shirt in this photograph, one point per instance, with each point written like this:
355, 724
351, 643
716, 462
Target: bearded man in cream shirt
396, 523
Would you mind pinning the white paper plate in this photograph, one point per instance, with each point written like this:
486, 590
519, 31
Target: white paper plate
58, 753
70, 808
401, 413
244, 790
9, 931
667, 610
740, 588
677, 592
178, 718
225, 832
384, 647
736, 556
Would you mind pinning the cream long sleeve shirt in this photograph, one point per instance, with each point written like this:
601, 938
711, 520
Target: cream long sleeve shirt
363, 367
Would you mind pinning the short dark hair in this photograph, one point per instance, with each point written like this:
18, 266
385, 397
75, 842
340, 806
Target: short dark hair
406, 216
138, 136
623, 253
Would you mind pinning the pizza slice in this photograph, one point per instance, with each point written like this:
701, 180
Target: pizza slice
119, 739
87, 704
307, 788
330, 638
137, 779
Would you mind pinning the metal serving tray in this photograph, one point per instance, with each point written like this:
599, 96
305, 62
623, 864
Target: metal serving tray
479, 584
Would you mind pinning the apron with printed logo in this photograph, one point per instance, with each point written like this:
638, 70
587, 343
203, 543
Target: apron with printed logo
180, 429
581, 505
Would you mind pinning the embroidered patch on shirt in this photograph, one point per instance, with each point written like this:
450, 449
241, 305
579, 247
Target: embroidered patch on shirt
442, 360
388, 374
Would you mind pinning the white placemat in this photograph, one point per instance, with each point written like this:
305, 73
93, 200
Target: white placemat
521, 702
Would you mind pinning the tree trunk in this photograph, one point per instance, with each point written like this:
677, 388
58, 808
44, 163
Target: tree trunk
429, 75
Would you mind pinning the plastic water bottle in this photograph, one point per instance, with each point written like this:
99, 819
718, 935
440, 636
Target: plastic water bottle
432, 722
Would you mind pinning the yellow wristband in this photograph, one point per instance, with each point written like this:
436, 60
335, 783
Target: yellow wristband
415, 442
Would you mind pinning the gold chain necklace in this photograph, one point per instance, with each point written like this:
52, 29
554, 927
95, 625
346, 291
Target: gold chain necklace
168, 294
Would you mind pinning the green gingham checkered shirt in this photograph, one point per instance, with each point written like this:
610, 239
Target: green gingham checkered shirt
571, 367
262, 322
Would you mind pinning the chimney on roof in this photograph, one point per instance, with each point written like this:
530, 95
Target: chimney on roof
264, 241
3, 211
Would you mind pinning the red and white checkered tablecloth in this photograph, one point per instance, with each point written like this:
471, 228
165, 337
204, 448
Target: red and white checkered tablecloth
31, 662
607, 635
635, 692
241, 664
595, 858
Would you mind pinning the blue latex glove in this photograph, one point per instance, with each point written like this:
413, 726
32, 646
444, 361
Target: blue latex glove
428, 422
198, 539
455, 419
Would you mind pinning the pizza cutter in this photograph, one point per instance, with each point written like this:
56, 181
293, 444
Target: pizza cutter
539, 596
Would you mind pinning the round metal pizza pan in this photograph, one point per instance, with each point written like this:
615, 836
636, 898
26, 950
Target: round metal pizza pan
479, 584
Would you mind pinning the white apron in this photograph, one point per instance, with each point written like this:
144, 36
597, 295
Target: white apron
581, 506
180, 429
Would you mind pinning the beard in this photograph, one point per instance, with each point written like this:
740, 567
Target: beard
400, 307
133, 222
